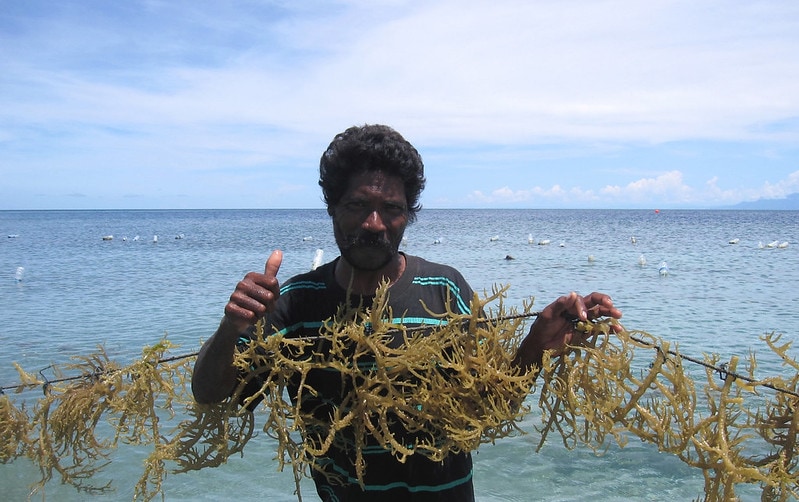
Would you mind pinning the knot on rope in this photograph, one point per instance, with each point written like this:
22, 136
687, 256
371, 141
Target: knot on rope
46, 384
721, 370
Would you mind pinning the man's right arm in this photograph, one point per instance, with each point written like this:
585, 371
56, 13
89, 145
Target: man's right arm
214, 377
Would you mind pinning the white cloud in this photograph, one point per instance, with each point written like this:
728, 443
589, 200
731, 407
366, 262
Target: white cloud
668, 187
534, 197
781, 188
204, 86
506, 71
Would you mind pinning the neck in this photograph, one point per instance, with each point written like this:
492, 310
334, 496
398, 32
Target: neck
365, 282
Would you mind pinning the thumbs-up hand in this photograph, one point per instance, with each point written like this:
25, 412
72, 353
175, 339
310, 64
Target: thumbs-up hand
255, 295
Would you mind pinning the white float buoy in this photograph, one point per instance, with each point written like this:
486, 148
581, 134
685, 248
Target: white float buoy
317, 259
663, 270
642, 260
20, 272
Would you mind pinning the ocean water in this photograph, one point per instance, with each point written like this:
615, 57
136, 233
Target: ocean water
78, 291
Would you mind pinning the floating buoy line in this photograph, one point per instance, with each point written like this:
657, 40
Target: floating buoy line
454, 383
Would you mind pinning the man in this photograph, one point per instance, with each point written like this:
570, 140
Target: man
371, 179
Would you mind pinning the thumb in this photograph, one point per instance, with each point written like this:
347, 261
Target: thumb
273, 263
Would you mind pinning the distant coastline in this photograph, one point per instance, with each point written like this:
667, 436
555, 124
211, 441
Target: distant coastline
791, 202
788, 203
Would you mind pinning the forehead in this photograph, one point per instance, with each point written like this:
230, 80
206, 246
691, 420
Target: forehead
375, 184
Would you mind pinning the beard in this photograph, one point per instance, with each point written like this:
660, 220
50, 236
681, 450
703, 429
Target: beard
367, 251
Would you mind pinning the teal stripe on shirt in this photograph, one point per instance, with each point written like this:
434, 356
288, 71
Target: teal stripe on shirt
415, 321
297, 326
446, 282
303, 285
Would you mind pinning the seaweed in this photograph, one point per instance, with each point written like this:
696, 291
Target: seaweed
451, 384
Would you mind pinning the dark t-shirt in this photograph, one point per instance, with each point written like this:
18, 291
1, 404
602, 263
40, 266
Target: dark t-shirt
305, 302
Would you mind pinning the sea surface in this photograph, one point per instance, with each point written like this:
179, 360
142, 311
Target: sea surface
76, 292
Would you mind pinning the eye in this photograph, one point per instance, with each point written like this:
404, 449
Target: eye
394, 209
355, 205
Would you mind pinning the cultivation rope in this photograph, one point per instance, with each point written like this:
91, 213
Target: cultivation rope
722, 369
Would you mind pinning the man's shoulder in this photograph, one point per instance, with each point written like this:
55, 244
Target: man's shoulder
430, 273
420, 265
435, 282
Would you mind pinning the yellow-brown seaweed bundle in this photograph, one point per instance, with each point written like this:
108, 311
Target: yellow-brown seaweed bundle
451, 383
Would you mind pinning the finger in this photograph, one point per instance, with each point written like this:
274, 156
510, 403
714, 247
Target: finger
599, 299
602, 305
240, 317
273, 263
575, 306
570, 307
252, 298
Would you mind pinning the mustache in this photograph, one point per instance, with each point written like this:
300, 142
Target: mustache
366, 240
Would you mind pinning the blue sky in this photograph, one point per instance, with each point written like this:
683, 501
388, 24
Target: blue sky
512, 103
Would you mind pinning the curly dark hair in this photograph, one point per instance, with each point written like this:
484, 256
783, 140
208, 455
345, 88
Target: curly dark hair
371, 148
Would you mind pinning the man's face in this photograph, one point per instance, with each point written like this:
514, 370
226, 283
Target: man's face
370, 219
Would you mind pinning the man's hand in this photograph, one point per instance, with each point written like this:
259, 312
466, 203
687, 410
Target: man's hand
554, 328
255, 295
214, 376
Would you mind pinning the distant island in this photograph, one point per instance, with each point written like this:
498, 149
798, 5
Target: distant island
791, 202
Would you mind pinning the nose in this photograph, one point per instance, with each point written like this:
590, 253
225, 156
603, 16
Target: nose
374, 222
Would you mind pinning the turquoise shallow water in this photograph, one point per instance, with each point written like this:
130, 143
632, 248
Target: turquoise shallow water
79, 291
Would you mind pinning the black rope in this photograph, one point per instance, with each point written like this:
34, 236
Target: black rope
721, 370
98, 372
